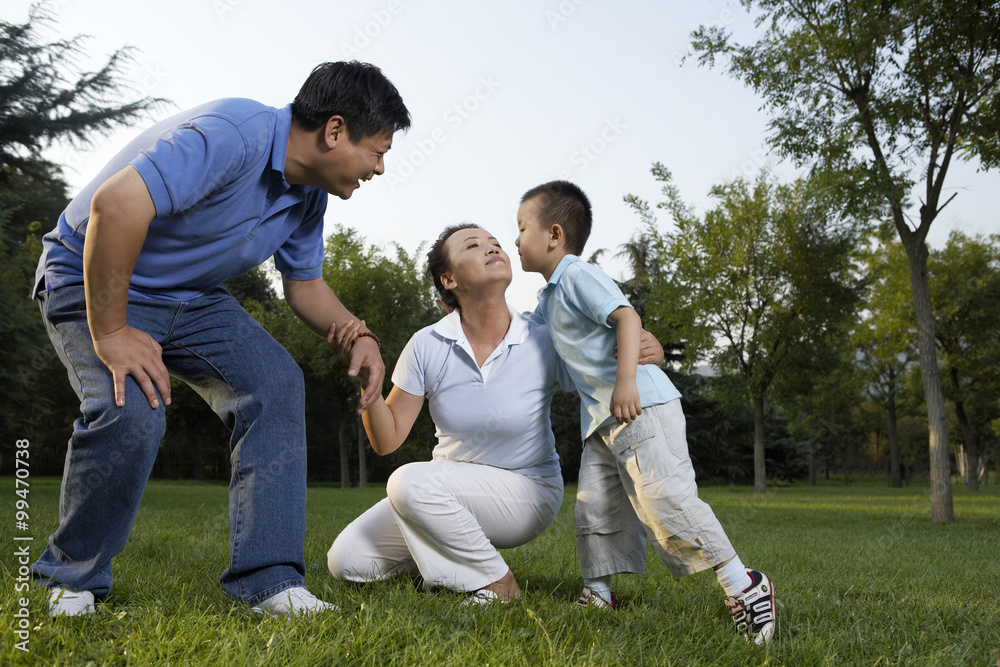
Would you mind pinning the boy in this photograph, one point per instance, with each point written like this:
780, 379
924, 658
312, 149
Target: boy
635, 471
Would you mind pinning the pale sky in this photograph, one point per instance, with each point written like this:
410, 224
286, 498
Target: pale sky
504, 96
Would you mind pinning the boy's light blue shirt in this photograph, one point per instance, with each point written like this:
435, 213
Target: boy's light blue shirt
500, 419
576, 304
216, 178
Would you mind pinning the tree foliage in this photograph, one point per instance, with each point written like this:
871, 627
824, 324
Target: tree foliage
765, 272
885, 95
43, 100
886, 341
965, 291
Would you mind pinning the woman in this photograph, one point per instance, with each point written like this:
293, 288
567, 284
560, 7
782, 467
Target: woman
488, 374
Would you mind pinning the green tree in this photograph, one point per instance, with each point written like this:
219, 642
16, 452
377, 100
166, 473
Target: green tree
886, 94
886, 341
765, 271
965, 291
43, 100
644, 289
818, 392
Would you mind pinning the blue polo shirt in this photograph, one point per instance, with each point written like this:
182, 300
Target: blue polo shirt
497, 415
215, 175
576, 304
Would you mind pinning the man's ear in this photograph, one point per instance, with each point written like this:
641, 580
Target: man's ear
335, 131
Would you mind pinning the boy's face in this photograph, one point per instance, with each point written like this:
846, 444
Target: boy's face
532, 239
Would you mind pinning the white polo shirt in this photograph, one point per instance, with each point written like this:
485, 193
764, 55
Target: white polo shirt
497, 415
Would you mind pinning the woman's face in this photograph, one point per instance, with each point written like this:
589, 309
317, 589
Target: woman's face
477, 261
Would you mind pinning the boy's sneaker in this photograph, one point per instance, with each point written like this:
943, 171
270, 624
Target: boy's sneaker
753, 610
589, 598
297, 600
67, 602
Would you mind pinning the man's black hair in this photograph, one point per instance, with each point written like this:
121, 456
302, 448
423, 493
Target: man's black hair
359, 92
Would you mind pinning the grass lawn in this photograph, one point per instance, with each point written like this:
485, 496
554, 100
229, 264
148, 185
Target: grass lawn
862, 576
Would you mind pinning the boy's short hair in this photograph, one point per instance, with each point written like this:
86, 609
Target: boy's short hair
439, 263
357, 91
563, 203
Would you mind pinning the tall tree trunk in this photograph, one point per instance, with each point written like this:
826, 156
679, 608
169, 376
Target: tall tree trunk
970, 452
971, 462
759, 469
345, 471
942, 509
895, 472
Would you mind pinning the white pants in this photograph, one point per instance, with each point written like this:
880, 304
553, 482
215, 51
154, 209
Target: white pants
446, 521
639, 476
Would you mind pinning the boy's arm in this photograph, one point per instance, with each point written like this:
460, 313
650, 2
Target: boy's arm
625, 402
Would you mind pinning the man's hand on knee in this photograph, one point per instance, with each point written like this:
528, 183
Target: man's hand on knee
129, 351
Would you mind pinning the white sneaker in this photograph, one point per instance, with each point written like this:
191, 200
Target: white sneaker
67, 602
297, 600
754, 610
483, 596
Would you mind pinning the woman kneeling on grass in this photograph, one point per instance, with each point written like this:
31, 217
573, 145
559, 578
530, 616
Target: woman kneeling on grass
494, 482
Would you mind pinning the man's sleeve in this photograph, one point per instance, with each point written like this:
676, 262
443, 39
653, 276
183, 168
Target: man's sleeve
301, 256
194, 159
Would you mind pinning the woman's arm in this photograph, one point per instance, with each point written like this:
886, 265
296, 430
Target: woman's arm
650, 350
388, 422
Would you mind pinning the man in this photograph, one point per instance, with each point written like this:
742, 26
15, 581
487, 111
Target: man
129, 284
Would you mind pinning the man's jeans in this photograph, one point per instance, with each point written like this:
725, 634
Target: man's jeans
247, 378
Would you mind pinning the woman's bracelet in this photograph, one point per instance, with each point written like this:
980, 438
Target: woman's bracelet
370, 335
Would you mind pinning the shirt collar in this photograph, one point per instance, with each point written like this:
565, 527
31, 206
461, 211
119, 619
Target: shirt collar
560, 267
450, 327
279, 147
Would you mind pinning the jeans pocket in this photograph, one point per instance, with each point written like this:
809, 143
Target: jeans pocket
64, 304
